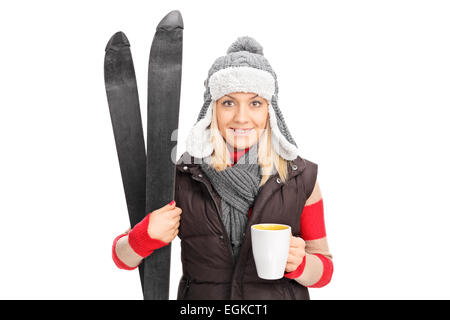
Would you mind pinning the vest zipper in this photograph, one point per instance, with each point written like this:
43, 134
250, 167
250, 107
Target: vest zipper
291, 290
185, 290
220, 220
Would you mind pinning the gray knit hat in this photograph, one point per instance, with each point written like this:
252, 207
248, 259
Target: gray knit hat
243, 69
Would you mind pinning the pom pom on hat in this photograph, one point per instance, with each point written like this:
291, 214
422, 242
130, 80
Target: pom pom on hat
246, 44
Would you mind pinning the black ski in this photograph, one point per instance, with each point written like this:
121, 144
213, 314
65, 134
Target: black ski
164, 85
149, 182
123, 101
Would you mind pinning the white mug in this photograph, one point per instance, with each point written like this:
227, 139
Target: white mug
270, 249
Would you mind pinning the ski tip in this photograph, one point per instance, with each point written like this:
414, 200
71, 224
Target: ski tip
171, 21
117, 41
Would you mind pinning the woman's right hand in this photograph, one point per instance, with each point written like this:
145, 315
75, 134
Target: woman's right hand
164, 222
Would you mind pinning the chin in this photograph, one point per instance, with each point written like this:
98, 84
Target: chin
238, 144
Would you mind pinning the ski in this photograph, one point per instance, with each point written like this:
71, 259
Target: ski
164, 85
123, 102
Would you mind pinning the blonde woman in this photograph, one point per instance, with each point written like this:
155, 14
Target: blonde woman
241, 167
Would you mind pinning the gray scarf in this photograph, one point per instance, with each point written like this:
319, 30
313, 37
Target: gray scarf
238, 187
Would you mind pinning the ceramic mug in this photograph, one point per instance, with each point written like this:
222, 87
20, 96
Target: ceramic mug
270, 245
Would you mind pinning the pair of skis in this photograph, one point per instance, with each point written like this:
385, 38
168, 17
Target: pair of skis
148, 180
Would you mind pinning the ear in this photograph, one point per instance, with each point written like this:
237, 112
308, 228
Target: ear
198, 141
279, 143
214, 115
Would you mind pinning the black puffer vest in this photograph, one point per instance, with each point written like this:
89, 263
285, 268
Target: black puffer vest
209, 271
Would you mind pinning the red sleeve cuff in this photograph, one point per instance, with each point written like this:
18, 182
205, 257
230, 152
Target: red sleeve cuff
326, 274
297, 272
140, 240
119, 263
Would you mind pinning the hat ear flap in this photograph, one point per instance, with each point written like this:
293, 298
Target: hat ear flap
198, 142
279, 142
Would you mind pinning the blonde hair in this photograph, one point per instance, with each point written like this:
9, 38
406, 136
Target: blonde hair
268, 159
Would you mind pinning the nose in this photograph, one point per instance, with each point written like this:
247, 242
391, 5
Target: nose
241, 115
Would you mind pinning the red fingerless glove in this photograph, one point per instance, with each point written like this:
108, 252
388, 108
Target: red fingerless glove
140, 240
297, 272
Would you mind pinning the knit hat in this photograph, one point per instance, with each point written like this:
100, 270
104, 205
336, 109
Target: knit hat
243, 69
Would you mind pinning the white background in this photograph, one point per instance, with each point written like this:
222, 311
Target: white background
364, 88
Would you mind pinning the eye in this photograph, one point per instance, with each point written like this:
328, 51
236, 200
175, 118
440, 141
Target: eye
256, 103
228, 103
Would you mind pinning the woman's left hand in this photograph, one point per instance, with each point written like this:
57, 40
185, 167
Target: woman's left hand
296, 253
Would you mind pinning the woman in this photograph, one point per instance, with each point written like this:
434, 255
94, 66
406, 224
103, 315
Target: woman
241, 167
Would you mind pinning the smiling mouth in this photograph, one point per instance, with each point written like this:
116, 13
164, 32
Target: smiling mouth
244, 131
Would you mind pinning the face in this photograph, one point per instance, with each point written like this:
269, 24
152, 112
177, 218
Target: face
242, 118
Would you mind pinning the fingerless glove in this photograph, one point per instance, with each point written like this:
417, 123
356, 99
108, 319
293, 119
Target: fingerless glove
141, 242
